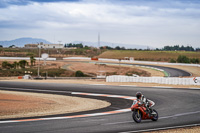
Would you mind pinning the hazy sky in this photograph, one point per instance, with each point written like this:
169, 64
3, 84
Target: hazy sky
145, 22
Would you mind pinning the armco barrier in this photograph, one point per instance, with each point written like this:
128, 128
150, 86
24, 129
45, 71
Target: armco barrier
159, 80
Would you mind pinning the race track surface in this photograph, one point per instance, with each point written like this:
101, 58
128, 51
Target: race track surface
175, 107
172, 72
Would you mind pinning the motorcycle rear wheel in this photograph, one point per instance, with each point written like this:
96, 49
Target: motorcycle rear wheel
137, 117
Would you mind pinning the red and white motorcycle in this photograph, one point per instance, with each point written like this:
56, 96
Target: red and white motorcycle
140, 112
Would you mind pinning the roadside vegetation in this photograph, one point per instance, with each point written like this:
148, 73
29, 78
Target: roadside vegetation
165, 54
55, 53
22, 67
173, 54
185, 59
148, 55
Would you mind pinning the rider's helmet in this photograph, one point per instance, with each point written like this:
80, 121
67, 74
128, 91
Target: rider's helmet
138, 95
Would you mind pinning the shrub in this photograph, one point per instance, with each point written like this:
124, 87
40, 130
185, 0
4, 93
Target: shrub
7, 65
183, 59
194, 60
172, 61
79, 74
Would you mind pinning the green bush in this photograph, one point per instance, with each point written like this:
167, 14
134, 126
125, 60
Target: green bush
194, 60
172, 61
7, 65
183, 59
79, 74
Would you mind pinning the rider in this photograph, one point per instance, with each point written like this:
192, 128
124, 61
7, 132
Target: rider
145, 101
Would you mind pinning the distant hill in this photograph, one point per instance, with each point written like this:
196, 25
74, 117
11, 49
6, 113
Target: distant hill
95, 44
20, 42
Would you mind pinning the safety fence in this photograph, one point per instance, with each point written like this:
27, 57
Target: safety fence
159, 80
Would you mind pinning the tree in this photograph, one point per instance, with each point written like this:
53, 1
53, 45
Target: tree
23, 63
197, 49
32, 59
123, 48
177, 47
12, 46
117, 48
15, 65
1, 46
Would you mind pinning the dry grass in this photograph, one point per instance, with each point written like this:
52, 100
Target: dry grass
148, 55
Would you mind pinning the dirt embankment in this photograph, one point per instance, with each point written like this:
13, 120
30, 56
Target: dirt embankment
23, 104
97, 69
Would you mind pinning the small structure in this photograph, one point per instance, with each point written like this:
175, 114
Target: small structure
129, 58
27, 76
31, 46
101, 74
51, 46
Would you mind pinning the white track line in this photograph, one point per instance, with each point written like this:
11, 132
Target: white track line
128, 85
96, 84
165, 117
164, 128
194, 88
75, 116
161, 87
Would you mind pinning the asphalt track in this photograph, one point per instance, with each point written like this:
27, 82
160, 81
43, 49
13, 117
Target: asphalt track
176, 107
172, 72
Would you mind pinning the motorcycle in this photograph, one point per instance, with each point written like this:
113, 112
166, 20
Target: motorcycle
140, 112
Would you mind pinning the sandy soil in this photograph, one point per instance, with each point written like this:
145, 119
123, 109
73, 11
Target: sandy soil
98, 69
23, 104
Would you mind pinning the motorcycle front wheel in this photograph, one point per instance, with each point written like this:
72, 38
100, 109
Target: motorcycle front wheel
137, 117
155, 117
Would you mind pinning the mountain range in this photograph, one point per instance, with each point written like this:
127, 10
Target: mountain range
20, 42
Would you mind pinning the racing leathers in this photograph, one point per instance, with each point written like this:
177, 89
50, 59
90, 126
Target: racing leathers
146, 103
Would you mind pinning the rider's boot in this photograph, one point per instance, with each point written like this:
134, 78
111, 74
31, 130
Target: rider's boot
152, 112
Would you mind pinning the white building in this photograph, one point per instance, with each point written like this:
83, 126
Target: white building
51, 46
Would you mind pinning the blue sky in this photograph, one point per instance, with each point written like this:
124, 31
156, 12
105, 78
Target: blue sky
144, 22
